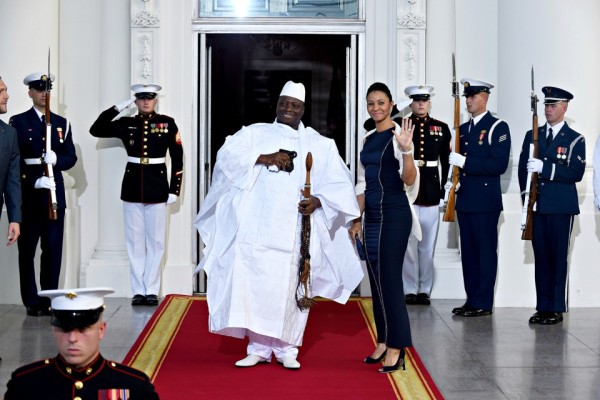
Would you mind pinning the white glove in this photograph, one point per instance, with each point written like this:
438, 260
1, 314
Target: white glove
45, 183
124, 104
447, 186
50, 158
535, 165
597, 202
457, 159
172, 198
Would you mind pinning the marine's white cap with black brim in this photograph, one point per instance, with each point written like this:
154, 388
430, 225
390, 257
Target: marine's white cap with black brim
419, 92
474, 86
37, 80
293, 89
76, 308
555, 95
145, 90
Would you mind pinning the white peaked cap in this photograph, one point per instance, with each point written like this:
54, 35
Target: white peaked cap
418, 90
145, 88
37, 76
293, 89
76, 299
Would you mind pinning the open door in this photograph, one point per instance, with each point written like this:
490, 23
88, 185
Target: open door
241, 76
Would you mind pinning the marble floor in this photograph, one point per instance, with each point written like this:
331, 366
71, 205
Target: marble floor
492, 358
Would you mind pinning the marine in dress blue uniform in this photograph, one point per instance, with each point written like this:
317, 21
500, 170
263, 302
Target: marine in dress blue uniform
483, 158
36, 227
82, 374
560, 166
146, 189
431, 142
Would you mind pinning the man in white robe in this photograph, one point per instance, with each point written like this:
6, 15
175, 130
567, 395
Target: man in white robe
250, 223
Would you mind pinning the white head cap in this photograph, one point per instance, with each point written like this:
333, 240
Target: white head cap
293, 89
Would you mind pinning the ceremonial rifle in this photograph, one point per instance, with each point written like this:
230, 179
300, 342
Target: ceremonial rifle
531, 185
305, 301
450, 195
48, 170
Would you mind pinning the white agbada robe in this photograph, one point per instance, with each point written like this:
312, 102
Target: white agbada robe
250, 224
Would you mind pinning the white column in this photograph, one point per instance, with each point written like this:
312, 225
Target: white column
411, 22
109, 265
441, 43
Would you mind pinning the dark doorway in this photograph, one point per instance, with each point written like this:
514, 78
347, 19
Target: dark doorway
249, 70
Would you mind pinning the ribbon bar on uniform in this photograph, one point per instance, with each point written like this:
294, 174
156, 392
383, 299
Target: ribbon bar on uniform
146, 160
423, 163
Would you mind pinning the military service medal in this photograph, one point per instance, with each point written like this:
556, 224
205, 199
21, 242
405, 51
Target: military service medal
481, 136
561, 153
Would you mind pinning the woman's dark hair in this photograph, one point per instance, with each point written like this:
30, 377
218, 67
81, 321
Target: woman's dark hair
381, 87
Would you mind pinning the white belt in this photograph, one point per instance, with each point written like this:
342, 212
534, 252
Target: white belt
32, 161
146, 160
423, 163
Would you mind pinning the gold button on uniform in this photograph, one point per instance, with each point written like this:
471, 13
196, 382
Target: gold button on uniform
69, 371
88, 371
78, 385
77, 398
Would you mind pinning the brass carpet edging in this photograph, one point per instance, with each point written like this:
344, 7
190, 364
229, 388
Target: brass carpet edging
409, 383
160, 336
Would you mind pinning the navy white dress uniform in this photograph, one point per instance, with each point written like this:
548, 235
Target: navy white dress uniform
431, 141
560, 165
56, 379
146, 189
484, 153
36, 227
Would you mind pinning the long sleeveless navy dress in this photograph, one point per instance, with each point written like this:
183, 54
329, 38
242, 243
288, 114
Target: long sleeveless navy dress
386, 228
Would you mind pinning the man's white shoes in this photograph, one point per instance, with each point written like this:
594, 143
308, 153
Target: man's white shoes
250, 361
289, 362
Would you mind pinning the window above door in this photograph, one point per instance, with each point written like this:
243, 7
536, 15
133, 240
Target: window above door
330, 9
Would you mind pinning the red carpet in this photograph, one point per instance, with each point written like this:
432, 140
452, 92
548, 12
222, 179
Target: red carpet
185, 361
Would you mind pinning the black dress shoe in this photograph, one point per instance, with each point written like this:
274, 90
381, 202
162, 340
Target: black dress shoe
410, 299
152, 300
138, 300
474, 312
552, 318
395, 367
536, 318
34, 311
423, 299
371, 360
460, 309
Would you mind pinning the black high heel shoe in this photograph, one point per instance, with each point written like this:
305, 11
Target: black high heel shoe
395, 367
371, 360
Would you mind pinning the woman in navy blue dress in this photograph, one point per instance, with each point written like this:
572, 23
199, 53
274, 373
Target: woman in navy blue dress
386, 168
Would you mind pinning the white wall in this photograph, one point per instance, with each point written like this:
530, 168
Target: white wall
494, 40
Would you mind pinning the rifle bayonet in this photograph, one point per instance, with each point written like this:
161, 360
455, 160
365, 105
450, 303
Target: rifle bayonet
534, 99
454, 81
